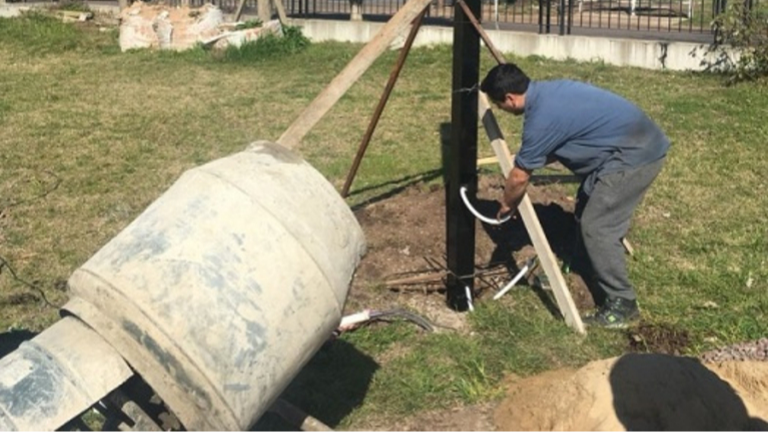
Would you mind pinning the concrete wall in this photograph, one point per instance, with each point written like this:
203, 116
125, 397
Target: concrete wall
10, 11
620, 52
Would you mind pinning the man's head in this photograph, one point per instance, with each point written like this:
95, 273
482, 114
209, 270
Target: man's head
506, 85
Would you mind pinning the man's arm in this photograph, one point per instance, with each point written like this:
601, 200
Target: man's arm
514, 189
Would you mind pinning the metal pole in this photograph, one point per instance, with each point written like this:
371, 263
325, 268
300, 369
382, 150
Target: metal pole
541, 17
382, 103
461, 166
549, 16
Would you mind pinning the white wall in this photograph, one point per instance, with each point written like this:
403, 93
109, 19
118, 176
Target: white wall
621, 52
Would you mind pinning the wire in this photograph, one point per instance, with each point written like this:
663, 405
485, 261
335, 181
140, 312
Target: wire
33, 286
387, 315
56, 184
463, 193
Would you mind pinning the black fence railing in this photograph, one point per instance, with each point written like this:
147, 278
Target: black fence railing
552, 16
668, 19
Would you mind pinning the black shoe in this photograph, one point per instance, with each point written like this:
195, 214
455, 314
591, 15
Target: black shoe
616, 313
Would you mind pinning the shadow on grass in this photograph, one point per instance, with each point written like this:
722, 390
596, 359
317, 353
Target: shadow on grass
401, 185
332, 385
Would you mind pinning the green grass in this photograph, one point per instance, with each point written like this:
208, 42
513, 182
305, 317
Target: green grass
90, 137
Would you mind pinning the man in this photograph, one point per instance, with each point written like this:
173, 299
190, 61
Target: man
611, 145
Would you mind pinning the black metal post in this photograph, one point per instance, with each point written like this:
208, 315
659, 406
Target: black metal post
561, 17
549, 16
461, 166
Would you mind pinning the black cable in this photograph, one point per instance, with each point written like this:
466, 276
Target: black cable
56, 184
4, 262
33, 286
390, 315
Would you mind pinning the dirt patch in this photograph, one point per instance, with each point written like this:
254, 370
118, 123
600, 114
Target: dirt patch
406, 239
657, 338
640, 392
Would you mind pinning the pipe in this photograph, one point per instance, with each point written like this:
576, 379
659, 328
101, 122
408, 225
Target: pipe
512, 283
489, 221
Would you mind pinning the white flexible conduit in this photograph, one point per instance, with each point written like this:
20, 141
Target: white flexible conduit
489, 221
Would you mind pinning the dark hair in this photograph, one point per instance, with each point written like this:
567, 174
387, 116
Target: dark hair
503, 79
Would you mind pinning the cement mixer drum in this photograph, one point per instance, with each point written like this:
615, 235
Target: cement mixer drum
225, 286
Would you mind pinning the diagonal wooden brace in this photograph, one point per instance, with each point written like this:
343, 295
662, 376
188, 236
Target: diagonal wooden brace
531, 221
396, 25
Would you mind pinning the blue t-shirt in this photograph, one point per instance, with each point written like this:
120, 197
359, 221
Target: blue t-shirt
589, 130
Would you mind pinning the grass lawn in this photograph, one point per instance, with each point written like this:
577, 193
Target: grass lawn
90, 136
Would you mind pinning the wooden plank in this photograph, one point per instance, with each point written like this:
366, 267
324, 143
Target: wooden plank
628, 246
400, 22
488, 160
239, 12
281, 11
263, 10
382, 103
531, 221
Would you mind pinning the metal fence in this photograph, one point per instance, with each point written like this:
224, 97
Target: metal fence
664, 19
550, 16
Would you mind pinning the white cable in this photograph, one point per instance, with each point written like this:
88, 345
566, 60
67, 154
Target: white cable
512, 283
469, 298
463, 193
350, 321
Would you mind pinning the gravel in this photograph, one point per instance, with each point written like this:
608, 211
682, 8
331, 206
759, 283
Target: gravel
753, 350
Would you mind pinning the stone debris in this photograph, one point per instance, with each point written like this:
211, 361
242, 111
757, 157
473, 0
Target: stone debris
180, 28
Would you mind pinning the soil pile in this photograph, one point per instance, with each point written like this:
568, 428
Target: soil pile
641, 392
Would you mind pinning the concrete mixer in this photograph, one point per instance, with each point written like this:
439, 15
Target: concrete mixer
216, 296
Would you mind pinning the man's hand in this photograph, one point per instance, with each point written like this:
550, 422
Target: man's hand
514, 190
504, 211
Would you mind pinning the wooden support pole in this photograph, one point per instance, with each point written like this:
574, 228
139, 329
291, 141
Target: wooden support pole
239, 11
531, 221
462, 161
280, 11
483, 35
263, 8
344, 80
382, 103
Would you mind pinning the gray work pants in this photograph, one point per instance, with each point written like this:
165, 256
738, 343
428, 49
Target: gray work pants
603, 219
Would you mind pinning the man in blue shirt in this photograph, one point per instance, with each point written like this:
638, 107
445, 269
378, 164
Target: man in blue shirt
610, 144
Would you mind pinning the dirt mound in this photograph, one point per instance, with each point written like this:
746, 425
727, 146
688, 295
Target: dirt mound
640, 392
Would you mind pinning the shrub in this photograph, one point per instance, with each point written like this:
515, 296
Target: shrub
269, 45
741, 44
